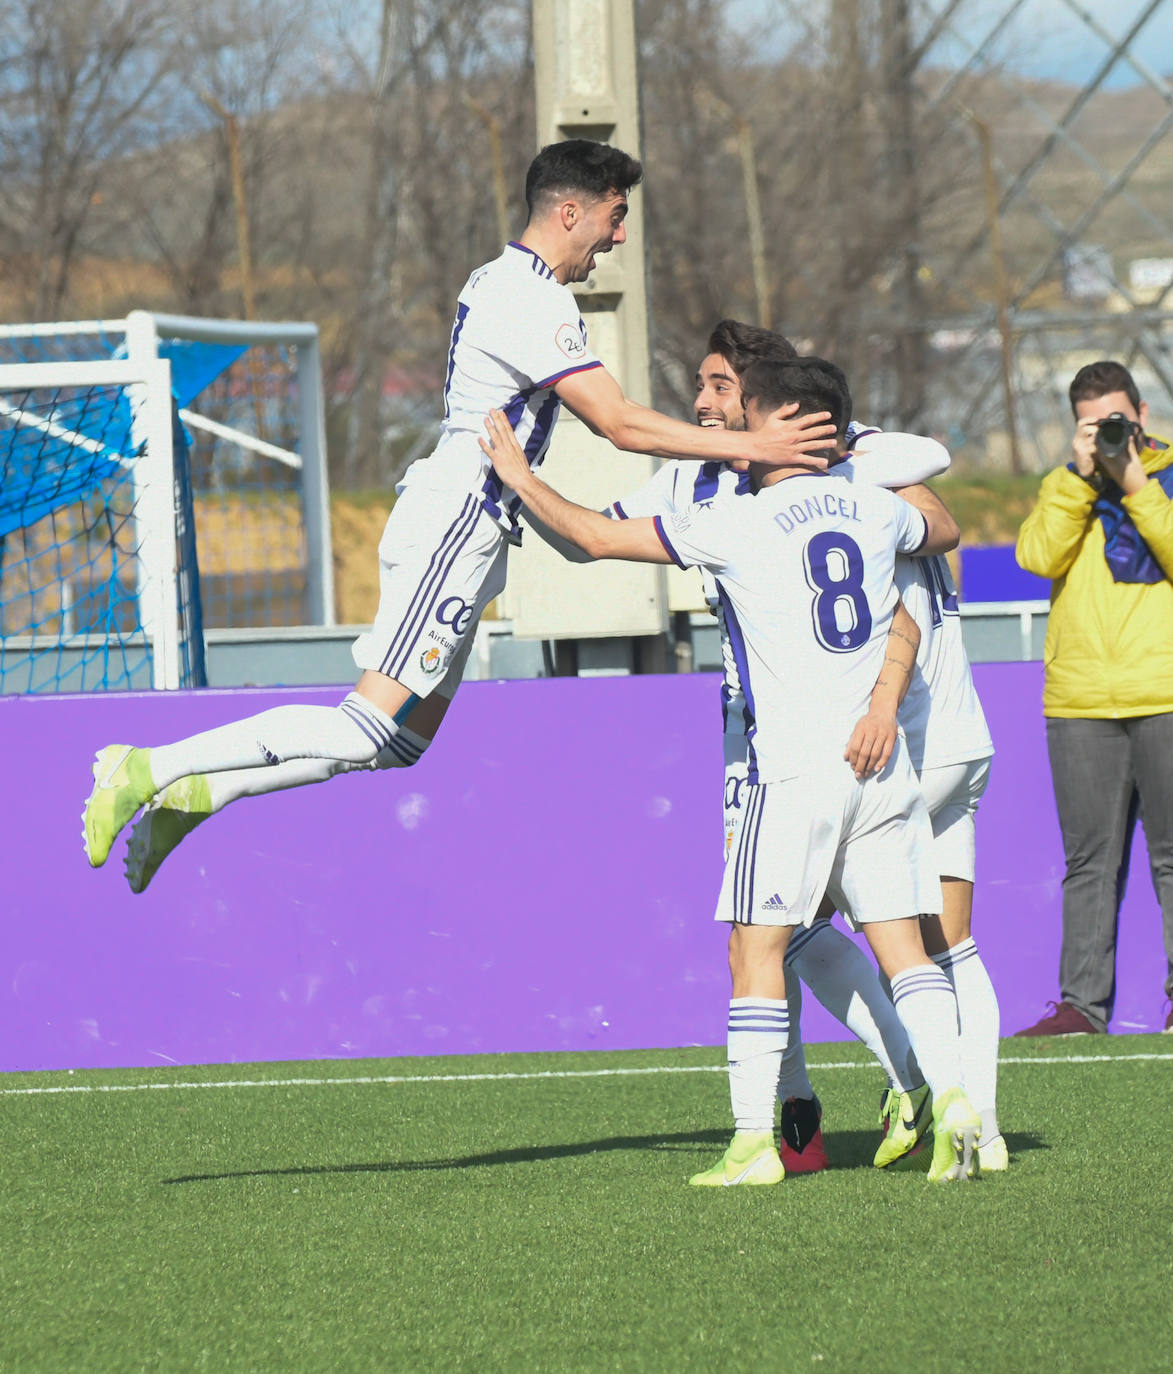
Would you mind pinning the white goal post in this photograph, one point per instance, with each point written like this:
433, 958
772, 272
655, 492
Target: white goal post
168, 432
151, 468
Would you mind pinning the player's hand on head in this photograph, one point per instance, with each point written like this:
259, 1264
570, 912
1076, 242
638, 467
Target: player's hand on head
871, 743
789, 440
504, 452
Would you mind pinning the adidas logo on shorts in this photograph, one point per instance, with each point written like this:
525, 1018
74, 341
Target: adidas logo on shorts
774, 903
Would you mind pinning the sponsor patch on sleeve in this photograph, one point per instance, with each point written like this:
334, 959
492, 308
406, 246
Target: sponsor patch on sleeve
571, 339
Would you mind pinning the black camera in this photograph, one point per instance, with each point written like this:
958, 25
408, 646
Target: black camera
1114, 433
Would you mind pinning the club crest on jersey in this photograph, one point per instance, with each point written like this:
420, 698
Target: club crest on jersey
431, 659
571, 339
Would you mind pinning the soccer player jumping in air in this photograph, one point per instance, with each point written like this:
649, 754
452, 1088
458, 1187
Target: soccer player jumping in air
805, 575
518, 345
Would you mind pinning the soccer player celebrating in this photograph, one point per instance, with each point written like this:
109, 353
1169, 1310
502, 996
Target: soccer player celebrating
518, 345
950, 748
805, 575
833, 966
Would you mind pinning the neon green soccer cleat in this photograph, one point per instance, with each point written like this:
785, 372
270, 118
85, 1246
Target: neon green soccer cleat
905, 1118
993, 1155
122, 783
752, 1158
956, 1127
174, 814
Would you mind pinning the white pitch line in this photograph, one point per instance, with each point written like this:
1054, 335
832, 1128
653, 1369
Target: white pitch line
505, 1077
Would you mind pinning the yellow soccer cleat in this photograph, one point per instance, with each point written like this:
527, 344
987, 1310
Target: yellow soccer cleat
122, 784
993, 1156
174, 814
751, 1159
906, 1118
956, 1127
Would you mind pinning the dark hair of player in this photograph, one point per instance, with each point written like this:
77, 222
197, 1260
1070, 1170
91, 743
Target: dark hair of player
741, 344
814, 383
578, 166
1100, 379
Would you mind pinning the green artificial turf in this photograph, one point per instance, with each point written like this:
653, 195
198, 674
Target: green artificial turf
543, 1223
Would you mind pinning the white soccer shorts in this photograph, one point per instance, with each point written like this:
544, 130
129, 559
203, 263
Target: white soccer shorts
868, 845
952, 794
441, 562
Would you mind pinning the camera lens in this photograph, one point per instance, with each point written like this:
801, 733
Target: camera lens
1112, 436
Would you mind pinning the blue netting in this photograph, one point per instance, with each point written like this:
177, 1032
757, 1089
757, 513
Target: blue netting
247, 504
70, 615
51, 463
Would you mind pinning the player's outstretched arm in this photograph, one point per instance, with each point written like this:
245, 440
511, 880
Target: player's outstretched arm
874, 737
944, 532
592, 532
785, 440
889, 459
563, 547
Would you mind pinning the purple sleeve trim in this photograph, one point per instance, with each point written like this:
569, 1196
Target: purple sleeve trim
924, 537
658, 521
620, 513
569, 372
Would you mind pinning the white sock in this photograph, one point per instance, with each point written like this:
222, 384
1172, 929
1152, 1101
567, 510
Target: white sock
758, 1028
925, 1002
845, 981
977, 1015
404, 750
793, 1080
353, 732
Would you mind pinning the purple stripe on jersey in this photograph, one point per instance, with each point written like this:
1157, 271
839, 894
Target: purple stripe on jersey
536, 263
705, 486
938, 570
567, 372
456, 536
658, 521
544, 422
538, 442
457, 326
737, 645
620, 513
925, 572
492, 487
854, 439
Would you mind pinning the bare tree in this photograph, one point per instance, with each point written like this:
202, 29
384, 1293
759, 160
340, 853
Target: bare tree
81, 82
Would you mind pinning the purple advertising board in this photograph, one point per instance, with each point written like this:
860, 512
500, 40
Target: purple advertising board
543, 880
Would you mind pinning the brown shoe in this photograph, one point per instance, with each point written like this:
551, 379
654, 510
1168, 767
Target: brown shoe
1064, 1020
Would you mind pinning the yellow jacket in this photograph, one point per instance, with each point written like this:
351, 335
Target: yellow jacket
1109, 645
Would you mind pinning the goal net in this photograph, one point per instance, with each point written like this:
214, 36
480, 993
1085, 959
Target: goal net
159, 475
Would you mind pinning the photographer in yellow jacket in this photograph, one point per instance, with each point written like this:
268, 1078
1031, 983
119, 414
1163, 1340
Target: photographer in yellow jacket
1102, 530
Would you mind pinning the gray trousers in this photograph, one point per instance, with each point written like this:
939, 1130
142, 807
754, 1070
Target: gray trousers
1102, 770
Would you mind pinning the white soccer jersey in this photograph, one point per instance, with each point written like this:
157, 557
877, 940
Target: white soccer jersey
517, 333
891, 460
805, 577
942, 716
